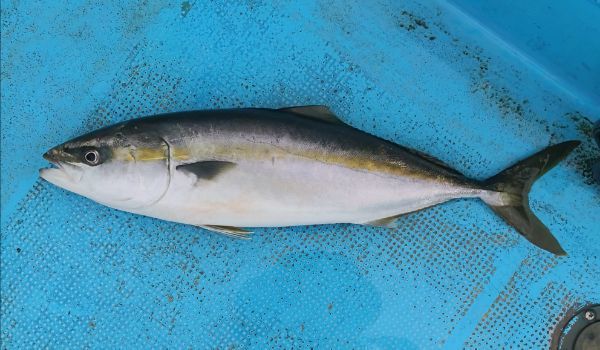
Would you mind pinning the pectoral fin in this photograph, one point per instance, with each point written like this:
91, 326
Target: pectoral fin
206, 170
230, 231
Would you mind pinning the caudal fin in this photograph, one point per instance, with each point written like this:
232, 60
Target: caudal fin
516, 181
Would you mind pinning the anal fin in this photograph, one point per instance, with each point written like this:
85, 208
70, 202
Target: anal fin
384, 222
230, 231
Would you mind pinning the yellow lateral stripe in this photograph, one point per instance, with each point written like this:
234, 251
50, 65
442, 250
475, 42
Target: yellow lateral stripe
358, 162
148, 154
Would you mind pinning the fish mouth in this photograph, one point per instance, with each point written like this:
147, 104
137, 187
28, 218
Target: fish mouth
54, 172
52, 157
58, 173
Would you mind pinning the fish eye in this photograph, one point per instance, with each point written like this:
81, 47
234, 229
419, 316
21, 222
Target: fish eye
92, 157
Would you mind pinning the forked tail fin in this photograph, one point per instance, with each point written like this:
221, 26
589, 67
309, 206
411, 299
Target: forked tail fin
516, 181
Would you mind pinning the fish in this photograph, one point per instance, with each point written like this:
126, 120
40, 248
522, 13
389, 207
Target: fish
229, 169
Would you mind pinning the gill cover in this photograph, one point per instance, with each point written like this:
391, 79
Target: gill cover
131, 172
140, 170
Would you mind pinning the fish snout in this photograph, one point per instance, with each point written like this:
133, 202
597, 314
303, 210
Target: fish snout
59, 155
52, 155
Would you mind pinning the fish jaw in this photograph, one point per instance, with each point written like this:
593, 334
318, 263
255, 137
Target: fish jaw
63, 175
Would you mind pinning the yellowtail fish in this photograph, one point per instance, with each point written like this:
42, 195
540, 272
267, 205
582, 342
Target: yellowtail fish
228, 169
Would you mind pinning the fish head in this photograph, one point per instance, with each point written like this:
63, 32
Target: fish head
125, 166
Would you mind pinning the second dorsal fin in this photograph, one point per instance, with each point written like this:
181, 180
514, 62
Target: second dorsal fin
317, 112
433, 160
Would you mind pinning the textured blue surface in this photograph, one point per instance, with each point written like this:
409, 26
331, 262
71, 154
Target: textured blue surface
559, 37
432, 76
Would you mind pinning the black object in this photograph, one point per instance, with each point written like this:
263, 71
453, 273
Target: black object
581, 331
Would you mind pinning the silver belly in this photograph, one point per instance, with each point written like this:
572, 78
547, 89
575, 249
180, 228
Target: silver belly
293, 192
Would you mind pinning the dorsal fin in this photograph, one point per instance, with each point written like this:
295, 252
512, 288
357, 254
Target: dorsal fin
433, 160
317, 112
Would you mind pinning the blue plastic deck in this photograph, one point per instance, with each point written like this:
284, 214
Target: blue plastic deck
430, 75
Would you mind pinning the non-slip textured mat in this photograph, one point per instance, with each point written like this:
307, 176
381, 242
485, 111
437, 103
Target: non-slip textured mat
76, 274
